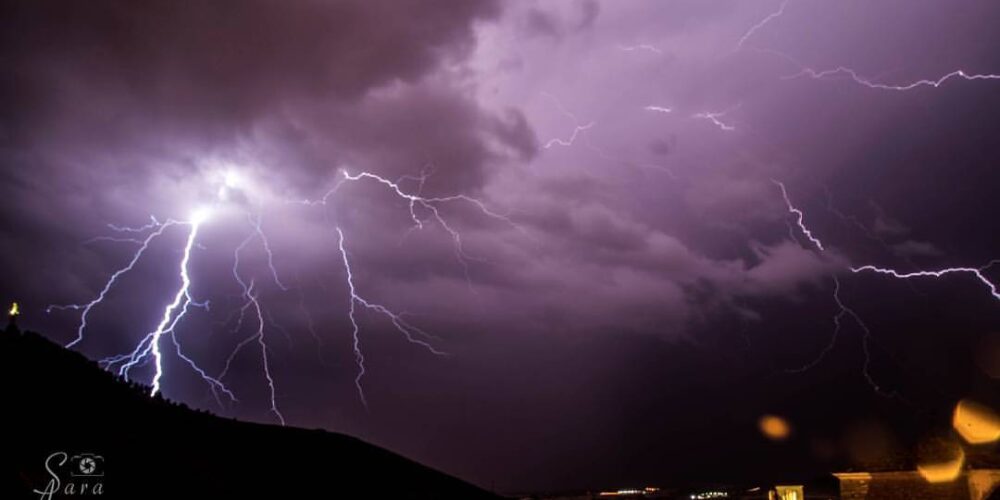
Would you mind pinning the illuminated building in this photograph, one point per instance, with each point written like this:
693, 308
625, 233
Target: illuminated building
786, 493
975, 484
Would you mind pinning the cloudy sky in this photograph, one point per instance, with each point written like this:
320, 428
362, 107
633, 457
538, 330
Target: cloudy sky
586, 218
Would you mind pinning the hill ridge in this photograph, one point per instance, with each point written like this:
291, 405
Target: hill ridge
60, 401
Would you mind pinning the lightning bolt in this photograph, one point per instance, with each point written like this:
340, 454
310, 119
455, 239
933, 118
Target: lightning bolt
799, 216
658, 109
556, 141
149, 348
856, 78
415, 204
714, 118
409, 331
310, 323
263, 352
640, 47
252, 301
842, 310
601, 152
851, 220
256, 223
577, 129
181, 299
431, 205
85, 309
977, 272
763, 22
852, 75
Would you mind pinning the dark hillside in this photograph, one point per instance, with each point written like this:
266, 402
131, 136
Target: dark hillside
57, 400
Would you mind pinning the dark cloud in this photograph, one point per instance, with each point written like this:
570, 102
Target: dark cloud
589, 11
222, 61
581, 15
912, 248
113, 111
540, 23
165, 83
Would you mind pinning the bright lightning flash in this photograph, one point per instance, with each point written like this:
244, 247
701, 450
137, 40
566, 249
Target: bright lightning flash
150, 349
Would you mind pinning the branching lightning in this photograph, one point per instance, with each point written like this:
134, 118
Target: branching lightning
158, 229
182, 299
843, 310
430, 204
256, 223
415, 204
409, 331
252, 301
430, 210
150, 349
263, 351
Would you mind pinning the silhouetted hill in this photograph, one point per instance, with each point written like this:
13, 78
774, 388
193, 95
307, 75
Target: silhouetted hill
56, 400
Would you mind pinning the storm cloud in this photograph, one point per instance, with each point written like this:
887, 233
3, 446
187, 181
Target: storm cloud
632, 254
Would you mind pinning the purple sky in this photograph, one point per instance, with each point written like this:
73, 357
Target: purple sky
645, 290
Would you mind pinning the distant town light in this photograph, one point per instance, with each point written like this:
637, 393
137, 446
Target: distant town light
14, 309
629, 492
708, 495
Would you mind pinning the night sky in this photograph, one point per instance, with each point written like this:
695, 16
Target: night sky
606, 260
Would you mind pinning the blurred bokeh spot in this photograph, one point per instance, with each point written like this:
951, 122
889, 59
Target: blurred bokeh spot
941, 460
976, 423
774, 427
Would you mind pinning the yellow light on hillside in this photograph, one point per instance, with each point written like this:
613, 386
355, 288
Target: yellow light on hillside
14, 310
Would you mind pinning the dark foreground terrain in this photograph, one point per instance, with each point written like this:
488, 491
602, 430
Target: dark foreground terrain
55, 400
